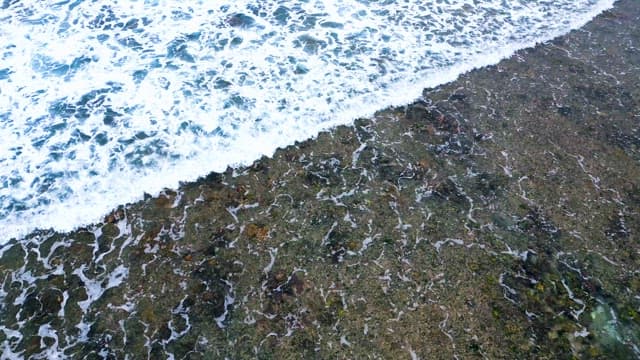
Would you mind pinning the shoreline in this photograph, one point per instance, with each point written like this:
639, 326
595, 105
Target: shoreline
496, 217
73, 220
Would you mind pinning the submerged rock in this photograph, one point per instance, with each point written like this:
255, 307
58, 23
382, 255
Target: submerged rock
492, 218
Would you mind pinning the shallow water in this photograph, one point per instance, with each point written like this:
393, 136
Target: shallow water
101, 102
495, 217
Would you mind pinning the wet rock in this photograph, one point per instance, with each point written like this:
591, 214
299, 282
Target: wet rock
457, 96
258, 232
389, 169
12, 258
51, 300
337, 243
114, 216
536, 223
420, 111
448, 190
209, 298
491, 184
617, 229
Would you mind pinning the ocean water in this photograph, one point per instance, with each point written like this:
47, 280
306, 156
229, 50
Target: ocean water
102, 101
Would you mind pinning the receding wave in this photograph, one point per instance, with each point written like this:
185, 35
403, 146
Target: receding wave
102, 101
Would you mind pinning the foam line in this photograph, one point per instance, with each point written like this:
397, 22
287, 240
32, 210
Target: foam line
101, 102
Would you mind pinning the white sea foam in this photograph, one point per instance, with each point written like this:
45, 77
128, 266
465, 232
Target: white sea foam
102, 101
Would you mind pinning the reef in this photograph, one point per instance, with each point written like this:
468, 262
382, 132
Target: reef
498, 216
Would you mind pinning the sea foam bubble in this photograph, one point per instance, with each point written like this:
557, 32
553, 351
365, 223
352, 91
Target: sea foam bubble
102, 101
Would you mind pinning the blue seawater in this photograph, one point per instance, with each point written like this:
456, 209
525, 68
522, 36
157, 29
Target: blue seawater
101, 101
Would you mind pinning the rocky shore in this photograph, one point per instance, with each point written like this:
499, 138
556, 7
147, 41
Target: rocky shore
496, 217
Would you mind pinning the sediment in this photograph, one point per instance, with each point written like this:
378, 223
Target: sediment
498, 216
